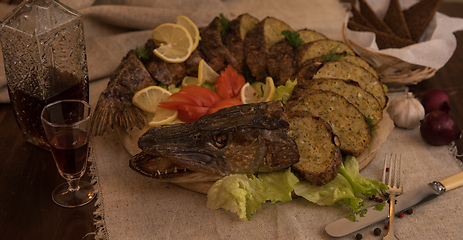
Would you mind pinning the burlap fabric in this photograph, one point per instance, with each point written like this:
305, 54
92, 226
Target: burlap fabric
130, 206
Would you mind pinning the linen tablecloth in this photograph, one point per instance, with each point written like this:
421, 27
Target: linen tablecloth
130, 206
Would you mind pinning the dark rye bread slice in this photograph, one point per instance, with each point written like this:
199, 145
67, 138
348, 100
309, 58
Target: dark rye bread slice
318, 147
395, 19
347, 122
366, 103
419, 15
359, 18
373, 18
383, 40
348, 71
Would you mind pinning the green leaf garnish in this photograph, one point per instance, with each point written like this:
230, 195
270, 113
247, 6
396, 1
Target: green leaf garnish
142, 53
379, 206
292, 38
370, 124
334, 56
225, 25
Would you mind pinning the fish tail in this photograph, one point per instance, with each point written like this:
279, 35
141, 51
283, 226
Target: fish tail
112, 113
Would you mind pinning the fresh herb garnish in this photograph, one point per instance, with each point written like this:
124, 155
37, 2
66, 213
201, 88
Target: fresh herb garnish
333, 55
361, 213
142, 53
379, 206
225, 25
370, 124
292, 38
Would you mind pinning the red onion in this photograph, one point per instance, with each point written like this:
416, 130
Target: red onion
436, 100
438, 128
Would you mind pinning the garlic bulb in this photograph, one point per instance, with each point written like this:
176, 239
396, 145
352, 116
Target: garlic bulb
406, 112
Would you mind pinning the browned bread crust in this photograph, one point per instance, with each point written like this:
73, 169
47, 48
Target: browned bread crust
320, 156
344, 118
364, 101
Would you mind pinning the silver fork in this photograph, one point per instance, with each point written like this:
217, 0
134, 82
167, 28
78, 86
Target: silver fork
392, 178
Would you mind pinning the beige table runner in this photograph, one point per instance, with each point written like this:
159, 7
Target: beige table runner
136, 207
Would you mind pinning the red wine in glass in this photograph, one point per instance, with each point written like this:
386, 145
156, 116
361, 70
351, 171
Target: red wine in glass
70, 149
67, 127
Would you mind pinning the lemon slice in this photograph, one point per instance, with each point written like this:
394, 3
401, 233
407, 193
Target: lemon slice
175, 40
249, 94
162, 116
148, 99
206, 73
192, 29
259, 87
190, 81
269, 89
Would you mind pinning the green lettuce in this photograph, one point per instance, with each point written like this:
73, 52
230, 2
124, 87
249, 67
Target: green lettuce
360, 185
337, 191
284, 92
244, 194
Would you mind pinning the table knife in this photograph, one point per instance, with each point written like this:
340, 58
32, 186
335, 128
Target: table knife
407, 200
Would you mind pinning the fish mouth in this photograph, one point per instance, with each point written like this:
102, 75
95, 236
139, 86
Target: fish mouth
166, 168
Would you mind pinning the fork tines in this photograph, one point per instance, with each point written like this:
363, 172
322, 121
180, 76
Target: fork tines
392, 170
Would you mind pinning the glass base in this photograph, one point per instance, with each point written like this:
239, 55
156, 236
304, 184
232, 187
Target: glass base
70, 199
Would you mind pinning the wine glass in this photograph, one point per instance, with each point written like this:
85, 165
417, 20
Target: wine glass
67, 129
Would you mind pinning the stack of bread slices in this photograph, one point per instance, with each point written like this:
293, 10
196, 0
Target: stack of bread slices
398, 28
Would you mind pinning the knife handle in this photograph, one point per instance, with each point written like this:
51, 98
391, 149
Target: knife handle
453, 182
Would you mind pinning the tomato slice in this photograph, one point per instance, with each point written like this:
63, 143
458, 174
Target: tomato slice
187, 98
207, 97
224, 104
188, 113
170, 105
222, 87
181, 98
229, 83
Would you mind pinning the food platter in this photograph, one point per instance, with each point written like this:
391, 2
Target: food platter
315, 59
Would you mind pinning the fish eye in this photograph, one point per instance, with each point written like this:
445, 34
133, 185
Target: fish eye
220, 140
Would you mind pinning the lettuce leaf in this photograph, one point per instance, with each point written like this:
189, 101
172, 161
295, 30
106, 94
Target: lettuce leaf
344, 189
337, 191
244, 194
360, 185
284, 92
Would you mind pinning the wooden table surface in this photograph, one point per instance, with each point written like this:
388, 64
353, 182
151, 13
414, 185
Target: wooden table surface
28, 174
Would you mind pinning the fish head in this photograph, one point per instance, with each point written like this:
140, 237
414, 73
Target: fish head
226, 143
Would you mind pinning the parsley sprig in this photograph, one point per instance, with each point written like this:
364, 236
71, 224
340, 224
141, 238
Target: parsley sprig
292, 38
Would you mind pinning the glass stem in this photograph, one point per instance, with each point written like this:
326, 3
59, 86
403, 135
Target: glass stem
74, 184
